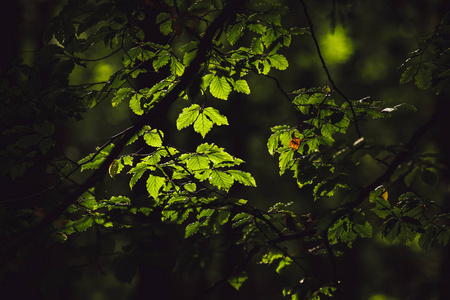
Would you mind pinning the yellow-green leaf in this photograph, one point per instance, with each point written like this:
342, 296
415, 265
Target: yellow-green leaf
113, 168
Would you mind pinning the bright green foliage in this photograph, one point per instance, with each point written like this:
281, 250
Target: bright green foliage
191, 188
219, 87
202, 118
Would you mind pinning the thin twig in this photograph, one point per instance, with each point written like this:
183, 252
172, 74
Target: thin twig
400, 159
30, 234
330, 79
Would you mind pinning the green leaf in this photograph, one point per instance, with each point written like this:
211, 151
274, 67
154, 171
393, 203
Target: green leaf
127, 160
153, 138
242, 177
238, 280
265, 67
176, 67
220, 88
190, 50
135, 104
257, 46
222, 217
427, 239
284, 262
161, 61
424, 76
83, 224
327, 131
364, 231
190, 187
286, 160
217, 155
206, 80
203, 119
221, 180
257, 28
278, 61
154, 184
408, 74
214, 115
203, 124
197, 163
188, 116
93, 164
235, 32
269, 37
241, 86
191, 229
114, 168
121, 94
162, 17
136, 176
166, 27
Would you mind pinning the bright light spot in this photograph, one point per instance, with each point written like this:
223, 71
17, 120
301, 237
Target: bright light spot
338, 47
102, 72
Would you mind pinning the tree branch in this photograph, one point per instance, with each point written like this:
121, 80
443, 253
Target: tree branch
401, 158
190, 72
330, 79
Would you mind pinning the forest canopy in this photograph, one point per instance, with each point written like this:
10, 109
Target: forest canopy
218, 149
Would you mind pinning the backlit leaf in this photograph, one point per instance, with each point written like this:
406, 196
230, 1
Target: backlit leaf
135, 104
221, 180
153, 138
214, 115
242, 177
203, 125
154, 184
122, 94
279, 62
188, 116
113, 168
162, 60
235, 32
197, 162
220, 88
241, 86
176, 67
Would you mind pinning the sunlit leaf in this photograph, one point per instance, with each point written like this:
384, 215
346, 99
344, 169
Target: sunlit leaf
188, 116
242, 177
203, 124
241, 86
113, 168
135, 104
219, 87
279, 62
221, 179
154, 184
153, 138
